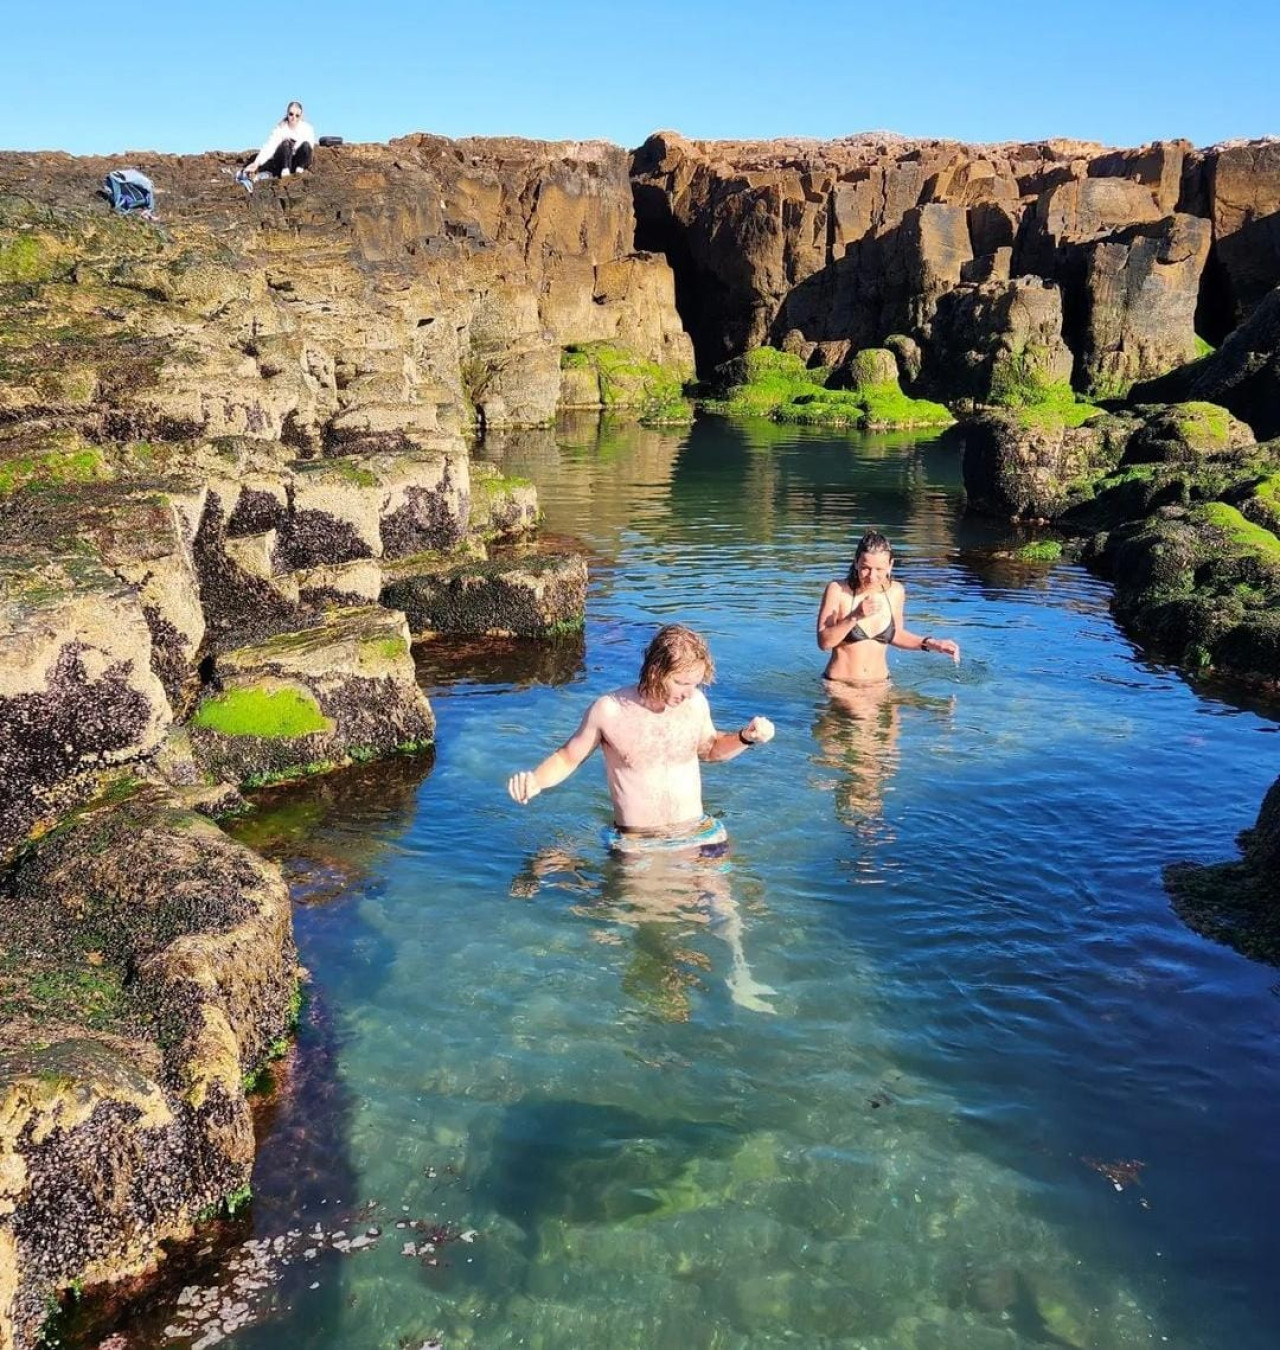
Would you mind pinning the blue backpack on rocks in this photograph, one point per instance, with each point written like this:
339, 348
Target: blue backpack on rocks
129, 190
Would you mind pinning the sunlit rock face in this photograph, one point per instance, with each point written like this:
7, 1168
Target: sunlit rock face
824, 247
150, 968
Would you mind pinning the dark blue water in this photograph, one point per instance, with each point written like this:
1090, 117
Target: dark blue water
929, 1063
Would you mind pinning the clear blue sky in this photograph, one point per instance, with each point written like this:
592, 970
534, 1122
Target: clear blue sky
115, 75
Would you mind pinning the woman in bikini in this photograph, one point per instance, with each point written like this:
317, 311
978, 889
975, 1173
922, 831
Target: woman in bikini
862, 616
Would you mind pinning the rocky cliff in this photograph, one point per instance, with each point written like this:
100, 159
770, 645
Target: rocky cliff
235, 483
216, 428
1033, 262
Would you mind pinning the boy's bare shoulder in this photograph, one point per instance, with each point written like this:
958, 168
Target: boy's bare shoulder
609, 707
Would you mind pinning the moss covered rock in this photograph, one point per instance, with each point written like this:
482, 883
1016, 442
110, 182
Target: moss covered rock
609, 375
1186, 433
148, 969
501, 507
1202, 585
777, 384
1021, 465
1237, 902
306, 702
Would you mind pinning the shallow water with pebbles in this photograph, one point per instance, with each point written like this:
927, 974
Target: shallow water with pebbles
926, 1063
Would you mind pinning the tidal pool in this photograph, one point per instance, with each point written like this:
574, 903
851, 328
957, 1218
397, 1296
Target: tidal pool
928, 1063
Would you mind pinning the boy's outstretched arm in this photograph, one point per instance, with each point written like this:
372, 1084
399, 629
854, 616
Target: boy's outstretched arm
526, 784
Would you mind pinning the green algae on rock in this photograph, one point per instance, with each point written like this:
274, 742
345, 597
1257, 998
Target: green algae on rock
301, 703
502, 507
767, 382
1237, 903
270, 713
608, 375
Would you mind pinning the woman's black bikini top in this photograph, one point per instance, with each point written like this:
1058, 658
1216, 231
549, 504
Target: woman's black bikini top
855, 634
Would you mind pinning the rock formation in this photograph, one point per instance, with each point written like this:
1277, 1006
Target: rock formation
235, 483
252, 409
827, 247
1173, 503
148, 968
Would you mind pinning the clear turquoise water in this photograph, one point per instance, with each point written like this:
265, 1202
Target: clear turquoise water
980, 996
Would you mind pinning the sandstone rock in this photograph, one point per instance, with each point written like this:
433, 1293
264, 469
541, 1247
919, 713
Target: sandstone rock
124, 1115
1158, 166
937, 247
144, 537
340, 585
530, 595
1091, 208
1000, 342
77, 689
1141, 290
1242, 192
373, 299
1243, 375
303, 702
244, 592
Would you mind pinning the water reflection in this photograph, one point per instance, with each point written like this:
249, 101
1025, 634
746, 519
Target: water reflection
659, 903
857, 729
501, 663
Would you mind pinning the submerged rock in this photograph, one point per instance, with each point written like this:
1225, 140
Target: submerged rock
1237, 902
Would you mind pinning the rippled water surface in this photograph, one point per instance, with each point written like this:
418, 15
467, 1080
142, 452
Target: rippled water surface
929, 1062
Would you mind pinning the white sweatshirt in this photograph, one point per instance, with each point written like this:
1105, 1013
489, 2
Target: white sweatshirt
302, 132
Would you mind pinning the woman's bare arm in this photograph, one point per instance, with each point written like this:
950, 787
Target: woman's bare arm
914, 642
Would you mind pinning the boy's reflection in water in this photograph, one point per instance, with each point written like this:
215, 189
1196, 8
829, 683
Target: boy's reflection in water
856, 729
664, 898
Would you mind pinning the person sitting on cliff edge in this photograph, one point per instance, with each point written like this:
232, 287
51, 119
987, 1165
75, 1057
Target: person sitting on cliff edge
653, 734
288, 149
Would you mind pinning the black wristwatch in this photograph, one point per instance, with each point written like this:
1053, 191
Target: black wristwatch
743, 739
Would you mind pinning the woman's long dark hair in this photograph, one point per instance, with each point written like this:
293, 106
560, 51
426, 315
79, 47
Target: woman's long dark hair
871, 542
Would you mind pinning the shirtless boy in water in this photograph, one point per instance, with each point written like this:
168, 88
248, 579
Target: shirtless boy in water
653, 735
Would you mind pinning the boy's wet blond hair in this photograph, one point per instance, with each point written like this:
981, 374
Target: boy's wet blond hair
673, 648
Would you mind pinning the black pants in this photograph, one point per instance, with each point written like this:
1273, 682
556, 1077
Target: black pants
289, 156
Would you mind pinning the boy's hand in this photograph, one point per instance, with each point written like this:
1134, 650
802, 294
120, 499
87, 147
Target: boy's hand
758, 731
523, 786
